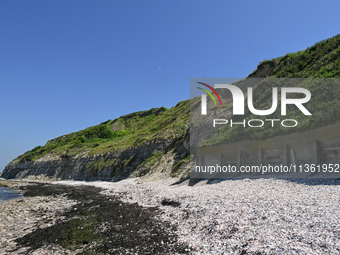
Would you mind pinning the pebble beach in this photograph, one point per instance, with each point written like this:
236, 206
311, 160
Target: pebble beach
19, 217
245, 216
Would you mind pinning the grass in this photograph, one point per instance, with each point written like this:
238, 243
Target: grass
130, 130
321, 60
99, 165
318, 61
153, 160
179, 164
324, 107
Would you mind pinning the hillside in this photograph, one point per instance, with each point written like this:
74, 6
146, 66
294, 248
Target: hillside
155, 143
130, 145
321, 61
115, 135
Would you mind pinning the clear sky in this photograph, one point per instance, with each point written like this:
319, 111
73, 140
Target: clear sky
68, 65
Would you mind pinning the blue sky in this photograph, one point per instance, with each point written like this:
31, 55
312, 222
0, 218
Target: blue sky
68, 65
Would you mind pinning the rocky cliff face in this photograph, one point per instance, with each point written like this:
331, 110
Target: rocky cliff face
155, 143
264, 69
151, 160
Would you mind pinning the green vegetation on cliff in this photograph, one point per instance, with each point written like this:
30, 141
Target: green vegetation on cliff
319, 61
112, 135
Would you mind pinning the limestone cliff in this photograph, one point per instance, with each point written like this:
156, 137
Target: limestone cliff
151, 160
149, 144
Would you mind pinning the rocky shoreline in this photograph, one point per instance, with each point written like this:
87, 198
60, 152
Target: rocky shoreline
59, 219
20, 217
244, 216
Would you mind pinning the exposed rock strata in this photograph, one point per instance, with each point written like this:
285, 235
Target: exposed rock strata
132, 161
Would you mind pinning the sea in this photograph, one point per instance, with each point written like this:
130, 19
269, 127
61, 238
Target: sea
6, 193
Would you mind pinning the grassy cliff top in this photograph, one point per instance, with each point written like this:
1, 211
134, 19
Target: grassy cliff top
321, 60
113, 135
